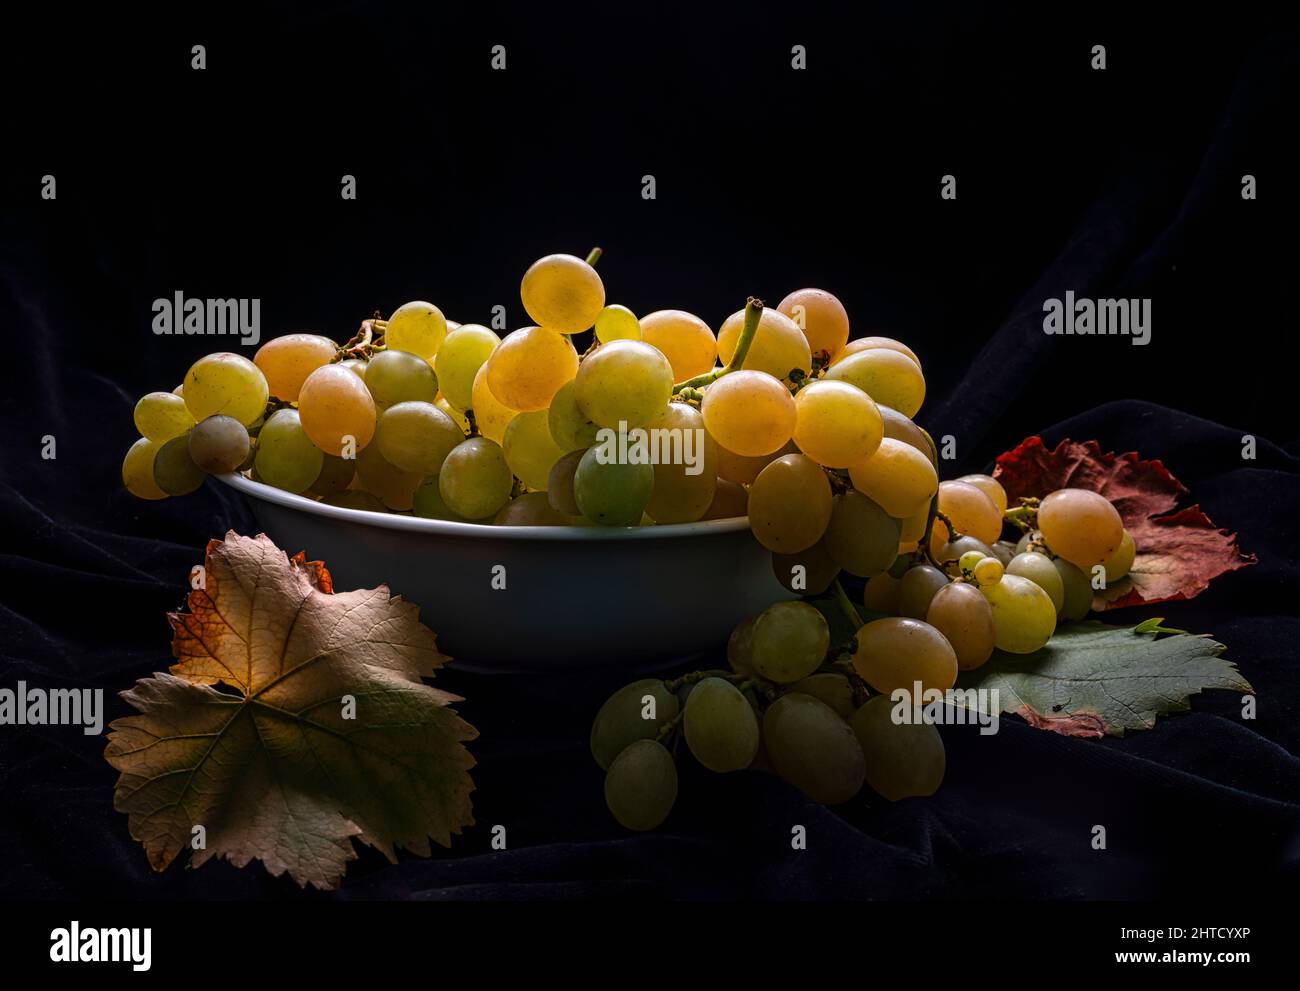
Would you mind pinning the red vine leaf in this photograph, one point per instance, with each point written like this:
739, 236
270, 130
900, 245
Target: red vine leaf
1178, 552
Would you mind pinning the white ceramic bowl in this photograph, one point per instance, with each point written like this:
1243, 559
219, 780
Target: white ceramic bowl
573, 596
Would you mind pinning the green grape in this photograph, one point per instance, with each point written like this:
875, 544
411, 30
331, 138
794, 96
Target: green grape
966, 563
790, 504
137, 470
898, 477
219, 444
904, 760
623, 382
900, 428
808, 572
684, 488
475, 480
778, 349
417, 328
895, 653
399, 377
286, 457
1080, 526
427, 502
641, 785
336, 474
490, 416
394, 487
174, 471
530, 451
685, 340
988, 571
836, 424
357, 365
790, 640
860, 536
287, 361
1038, 568
463, 353
612, 494
965, 619
749, 413
529, 367
356, 499
1077, 599
820, 316
617, 323
833, 689
559, 484
635, 712
337, 410
530, 509
1122, 560
886, 376
570, 428
1023, 615
161, 416
917, 589
740, 646
228, 384
720, 726
881, 593
814, 749
416, 437
562, 292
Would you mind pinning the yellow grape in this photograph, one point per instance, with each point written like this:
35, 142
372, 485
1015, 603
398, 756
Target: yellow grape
457, 417
617, 323
1040, 570
737, 468
1121, 562
806, 572
161, 416
335, 405
562, 293
228, 384
529, 366
1080, 526
898, 477
917, 589
778, 348
989, 570
137, 470
790, 504
530, 452
570, 428
683, 491
902, 428
813, 748
287, 361
457, 362
392, 486
965, 619
836, 424
730, 500
529, 509
991, 487
749, 413
913, 528
867, 343
896, 652
888, 377
490, 415
1023, 615
624, 382
881, 593
417, 327
685, 340
971, 511
903, 760
820, 316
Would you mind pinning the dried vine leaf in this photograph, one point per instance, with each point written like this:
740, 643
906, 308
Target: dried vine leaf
1178, 553
1093, 680
325, 730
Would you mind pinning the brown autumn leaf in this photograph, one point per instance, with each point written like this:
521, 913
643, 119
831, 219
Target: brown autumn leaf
324, 732
1178, 553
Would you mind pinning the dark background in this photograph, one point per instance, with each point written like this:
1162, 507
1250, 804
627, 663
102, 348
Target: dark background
225, 183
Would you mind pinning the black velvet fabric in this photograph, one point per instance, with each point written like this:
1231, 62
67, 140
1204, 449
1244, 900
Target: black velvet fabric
1123, 184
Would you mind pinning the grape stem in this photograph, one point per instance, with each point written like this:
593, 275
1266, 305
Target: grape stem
593, 256
846, 605
1025, 517
753, 312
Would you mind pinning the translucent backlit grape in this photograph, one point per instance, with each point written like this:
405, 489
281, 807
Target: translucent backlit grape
617, 323
778, 348
529, 449
161, 416
337, 410
137, 470
491, 416
1080, 526
1121, 561
836, 424
228, 384
867, 343
971, 512
888, 377
417, 327
287, 361
1038, 568
457, 362
790, 504
749, 413
562, 293
820, 316
899, 427
400, 377
685, 340
529, 366
898, 477
1023, 615
991, 487
624, 382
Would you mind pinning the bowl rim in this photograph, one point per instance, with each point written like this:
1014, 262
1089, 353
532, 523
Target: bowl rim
417, 524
